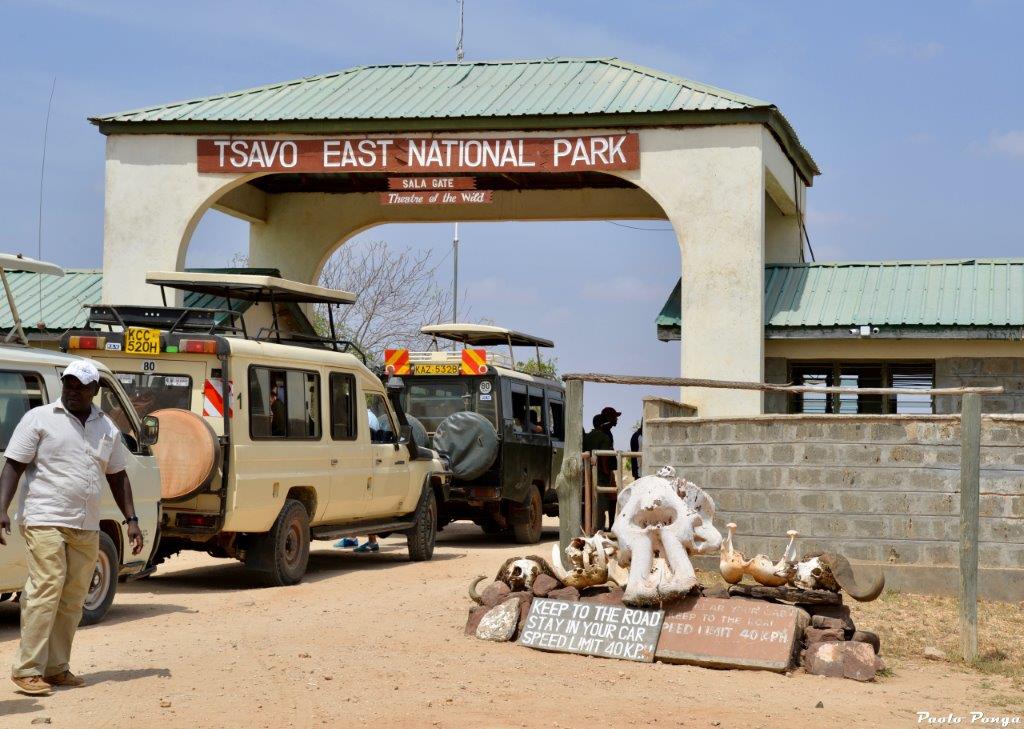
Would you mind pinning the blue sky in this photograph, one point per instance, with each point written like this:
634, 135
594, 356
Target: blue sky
913, 112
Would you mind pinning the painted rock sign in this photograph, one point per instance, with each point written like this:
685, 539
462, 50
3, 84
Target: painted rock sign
734, 633
607, 631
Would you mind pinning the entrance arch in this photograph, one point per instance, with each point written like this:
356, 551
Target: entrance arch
725, 170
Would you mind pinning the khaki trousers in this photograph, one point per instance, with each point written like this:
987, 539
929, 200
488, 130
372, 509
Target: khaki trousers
61, 562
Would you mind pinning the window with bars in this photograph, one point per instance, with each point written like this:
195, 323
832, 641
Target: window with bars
906, 375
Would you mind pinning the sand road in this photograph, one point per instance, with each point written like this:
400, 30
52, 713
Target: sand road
377, 640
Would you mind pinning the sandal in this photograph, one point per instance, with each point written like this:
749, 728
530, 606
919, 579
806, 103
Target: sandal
367, 547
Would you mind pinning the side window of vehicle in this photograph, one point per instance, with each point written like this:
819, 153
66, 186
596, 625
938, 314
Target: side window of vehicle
535, 417
118, 410
284, 404
382, 427
343, 406
520, 405
19, 393
556, 414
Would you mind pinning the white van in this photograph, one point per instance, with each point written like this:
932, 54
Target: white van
297, 439
29, 378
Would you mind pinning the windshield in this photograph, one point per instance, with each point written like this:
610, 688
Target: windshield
155, 392
432, 400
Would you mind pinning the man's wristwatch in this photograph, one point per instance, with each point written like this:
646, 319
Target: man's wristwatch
131, 519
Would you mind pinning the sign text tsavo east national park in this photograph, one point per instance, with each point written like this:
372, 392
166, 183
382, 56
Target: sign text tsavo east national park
421, 154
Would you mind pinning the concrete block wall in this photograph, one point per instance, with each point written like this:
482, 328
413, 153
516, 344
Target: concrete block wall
985, 372
881, 489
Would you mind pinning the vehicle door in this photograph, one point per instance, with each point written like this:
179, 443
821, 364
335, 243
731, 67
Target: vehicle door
516, 442
390, 489
556, 426
20, 391
351, 452
143, 472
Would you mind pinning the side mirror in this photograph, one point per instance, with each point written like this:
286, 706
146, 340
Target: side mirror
150, 430
409, 442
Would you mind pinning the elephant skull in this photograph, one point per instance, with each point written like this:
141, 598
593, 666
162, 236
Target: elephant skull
660, 521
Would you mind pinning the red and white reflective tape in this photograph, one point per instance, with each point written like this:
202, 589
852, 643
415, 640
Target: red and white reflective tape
213, 402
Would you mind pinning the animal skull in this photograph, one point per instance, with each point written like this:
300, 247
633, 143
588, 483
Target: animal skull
592, 561
659, 522
518, 573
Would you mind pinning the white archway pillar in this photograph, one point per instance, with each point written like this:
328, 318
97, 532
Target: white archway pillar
154, 198
711, 183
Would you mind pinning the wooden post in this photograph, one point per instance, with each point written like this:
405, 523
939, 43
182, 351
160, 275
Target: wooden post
570, 479
970, 484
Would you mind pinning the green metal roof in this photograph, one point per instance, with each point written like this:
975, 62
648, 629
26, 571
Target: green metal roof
518, 94
59, 307
906, 294
63, 299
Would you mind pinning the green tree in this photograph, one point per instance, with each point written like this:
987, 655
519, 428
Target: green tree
540, 368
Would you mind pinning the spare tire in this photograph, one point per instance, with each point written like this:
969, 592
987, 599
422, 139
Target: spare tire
419, 432
470, 443
187, 452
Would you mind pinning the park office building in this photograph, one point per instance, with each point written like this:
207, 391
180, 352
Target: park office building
304, 164
909, 324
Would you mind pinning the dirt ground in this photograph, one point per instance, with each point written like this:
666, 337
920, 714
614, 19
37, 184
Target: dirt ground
377, 640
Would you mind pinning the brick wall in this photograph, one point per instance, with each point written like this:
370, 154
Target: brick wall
983, 371
883, 489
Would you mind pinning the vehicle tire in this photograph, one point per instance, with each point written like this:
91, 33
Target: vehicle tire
286, 546
423, 535
529, 532
103, 586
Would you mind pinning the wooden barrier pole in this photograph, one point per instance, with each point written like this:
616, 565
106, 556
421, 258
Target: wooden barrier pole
970, 485
570, 479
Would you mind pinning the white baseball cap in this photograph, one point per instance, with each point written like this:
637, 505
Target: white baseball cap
83, 370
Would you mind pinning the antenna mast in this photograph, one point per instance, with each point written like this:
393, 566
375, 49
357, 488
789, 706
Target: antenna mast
460, 53
39, 226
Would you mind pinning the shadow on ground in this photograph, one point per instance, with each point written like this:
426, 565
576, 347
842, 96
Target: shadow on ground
26, 705
119, 613
125, 674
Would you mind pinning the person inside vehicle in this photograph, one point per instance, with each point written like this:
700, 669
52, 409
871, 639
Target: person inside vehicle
278, 415
535, 426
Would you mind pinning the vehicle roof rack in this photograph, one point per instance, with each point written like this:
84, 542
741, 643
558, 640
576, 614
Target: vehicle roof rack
483, 335
249, 287
18, 262
172, 319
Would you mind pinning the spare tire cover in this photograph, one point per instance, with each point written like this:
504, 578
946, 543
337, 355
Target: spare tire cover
470, 443
187, 452
419, 433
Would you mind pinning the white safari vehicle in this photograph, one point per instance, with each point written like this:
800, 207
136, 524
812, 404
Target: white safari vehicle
271, 435
30, 377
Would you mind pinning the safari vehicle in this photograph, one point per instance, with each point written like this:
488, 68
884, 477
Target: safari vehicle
29, 378
519, 434
272, 435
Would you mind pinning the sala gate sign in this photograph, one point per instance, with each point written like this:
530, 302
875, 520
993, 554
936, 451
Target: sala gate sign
604, 152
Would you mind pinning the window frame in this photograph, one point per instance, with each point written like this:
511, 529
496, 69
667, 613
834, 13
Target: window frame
833, 372
42, 388
392, 418
191, 385
285, 438
353, 412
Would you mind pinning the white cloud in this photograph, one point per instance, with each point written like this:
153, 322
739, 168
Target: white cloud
896, 47
1010, 144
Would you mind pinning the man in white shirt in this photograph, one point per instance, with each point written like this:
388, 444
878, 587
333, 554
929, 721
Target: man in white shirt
66, 450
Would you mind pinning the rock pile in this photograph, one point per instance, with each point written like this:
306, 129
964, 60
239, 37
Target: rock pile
834, 647
827, 642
